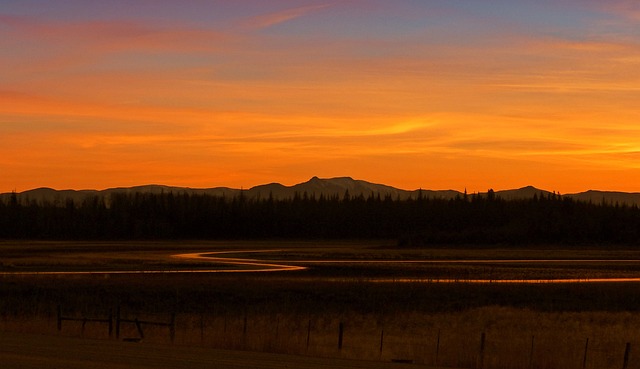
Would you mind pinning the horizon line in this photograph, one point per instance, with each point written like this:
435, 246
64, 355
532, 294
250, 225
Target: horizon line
311, 179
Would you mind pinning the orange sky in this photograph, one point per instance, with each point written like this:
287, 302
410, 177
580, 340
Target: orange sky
433, 94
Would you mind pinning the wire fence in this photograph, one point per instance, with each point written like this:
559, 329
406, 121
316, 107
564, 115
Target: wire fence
365, 338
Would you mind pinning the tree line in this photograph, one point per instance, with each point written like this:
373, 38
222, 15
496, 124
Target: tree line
415, 222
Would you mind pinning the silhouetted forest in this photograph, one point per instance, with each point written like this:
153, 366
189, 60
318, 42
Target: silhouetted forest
421, 221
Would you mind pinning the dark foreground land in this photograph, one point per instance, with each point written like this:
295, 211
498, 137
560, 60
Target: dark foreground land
29, 351
339, 309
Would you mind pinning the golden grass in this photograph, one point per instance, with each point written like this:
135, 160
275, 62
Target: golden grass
515, 338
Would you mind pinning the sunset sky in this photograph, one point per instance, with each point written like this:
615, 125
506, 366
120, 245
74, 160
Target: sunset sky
434, 94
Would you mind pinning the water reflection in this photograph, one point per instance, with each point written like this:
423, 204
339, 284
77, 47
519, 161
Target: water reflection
503, 281
228, 264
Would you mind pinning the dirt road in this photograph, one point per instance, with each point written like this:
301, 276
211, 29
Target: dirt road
27, 351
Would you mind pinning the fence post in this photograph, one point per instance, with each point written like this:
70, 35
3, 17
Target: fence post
244, 329
308, 334
172, 327
340, 334
481, 358
437, 347
59, 318
139, 326
110, 323
224, 327
586, 350
627, 351
118, 322
533, 338
381, 341
202, 328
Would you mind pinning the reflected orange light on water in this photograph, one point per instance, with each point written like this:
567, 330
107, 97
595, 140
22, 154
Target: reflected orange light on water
505, 281
264, 267
253, 265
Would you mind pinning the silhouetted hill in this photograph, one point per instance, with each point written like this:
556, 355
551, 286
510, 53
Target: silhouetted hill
315, 187
608, 197
274, 190
328, 187
45, 194
159, 189
521, 193
340, 186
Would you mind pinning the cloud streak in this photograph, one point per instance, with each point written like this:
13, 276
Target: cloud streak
278, 17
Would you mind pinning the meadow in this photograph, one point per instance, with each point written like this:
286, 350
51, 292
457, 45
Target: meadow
465, 325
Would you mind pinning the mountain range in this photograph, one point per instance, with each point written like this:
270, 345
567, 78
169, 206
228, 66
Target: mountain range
328, 187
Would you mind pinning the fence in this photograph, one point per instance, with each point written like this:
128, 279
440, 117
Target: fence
362, 339
118, 321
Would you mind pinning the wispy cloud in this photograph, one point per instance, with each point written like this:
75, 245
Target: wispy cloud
111, 35
627, 9
275, 18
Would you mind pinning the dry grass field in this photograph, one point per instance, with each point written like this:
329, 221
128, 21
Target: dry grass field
28, 351
300, 312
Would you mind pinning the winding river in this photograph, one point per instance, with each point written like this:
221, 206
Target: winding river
232, 264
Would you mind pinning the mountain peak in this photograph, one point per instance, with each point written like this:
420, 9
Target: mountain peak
332, 179
529, 188
521, 193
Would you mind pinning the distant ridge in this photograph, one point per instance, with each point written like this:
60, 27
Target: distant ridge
608, 197
315, 187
